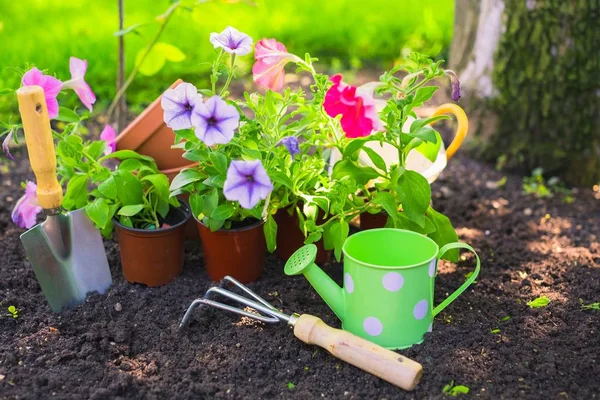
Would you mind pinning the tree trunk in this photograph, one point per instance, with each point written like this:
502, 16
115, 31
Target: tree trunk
530, 76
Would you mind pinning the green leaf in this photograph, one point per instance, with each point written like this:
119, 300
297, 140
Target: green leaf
6, 91
156, 58
387, 201
76, 193
196, 204
361, 175
160, 182
186, 177
67, 115
415, 195
126, 154
211, 200
357, 144
108, 188
377, 160
99, 212
223, 212
339, 233
281, 178
426, 121
130, 165
328, 242
423, 94
219, 161
129, 188
215, 224
542, 301
430, 149
444, 233
270, 229
96, 148
425, 133
130, 211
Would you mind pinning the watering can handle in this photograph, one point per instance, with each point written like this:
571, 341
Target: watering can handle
468, 282
368, 356
40, 145
463, 125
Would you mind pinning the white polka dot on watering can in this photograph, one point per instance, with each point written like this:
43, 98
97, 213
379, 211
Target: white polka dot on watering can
432, 268
348, 283
420, 309
373, 326
393, 281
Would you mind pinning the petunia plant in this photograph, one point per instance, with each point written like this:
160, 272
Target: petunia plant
134, 192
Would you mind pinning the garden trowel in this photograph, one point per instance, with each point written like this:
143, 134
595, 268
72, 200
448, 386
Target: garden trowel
66, 250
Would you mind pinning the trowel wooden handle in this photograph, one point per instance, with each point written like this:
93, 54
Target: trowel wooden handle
38, 135
374, 359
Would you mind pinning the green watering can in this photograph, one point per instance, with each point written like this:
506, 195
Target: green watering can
389, 276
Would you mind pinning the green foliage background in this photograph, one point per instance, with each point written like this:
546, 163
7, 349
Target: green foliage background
343, 33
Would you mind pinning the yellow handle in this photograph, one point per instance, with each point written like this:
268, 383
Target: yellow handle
463, 125
38, 135
374, 359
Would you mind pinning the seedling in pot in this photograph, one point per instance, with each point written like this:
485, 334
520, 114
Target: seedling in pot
454, 390
13, 312
540, 302
589, 307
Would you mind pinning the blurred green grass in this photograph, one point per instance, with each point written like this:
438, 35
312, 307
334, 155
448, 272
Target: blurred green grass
341, 33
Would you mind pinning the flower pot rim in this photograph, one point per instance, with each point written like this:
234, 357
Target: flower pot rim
178, 169
258, 222
183, 206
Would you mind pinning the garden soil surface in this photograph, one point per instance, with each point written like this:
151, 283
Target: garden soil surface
126, 344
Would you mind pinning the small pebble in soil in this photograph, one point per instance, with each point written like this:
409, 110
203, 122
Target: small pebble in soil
118, 307
238, 345
527, 211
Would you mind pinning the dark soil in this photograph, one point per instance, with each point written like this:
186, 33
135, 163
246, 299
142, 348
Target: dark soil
126, 344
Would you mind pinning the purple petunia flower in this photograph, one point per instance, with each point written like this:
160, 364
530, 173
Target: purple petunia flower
455, 84
27, 208
5, 144
232, 41
77, 82
291, 144
215, 121
247, 182
178, 105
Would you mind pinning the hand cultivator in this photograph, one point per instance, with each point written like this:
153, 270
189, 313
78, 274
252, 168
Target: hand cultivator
385, 364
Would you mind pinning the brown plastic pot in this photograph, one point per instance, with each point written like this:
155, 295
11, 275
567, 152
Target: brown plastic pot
373, 221
154, 257
149, 135
239, 253
290, 237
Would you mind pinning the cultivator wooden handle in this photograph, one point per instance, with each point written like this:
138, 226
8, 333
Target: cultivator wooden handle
374, 359
461, 130
38, 135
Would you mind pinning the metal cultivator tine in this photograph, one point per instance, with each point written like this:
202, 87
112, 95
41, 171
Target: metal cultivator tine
266, 312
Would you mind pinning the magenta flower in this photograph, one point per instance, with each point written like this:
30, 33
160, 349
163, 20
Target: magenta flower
5, 144
455, 84
214, 121
51, 87
27, 208
77, 82
232, 41
271, 59
247, 182
109, 136
291, 144
355, 105
178, 105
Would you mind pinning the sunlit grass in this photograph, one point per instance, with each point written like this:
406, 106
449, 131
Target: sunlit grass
343, 33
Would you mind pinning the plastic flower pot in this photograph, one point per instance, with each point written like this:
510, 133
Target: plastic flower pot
238, 252
290, 237
149, 135
373, 221
154, 257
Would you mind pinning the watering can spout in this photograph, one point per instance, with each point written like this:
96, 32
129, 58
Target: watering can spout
302, 262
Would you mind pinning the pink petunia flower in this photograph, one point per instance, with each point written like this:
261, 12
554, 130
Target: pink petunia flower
51, 87
27, 208
77, 82
271, 59
355, 105
109, 136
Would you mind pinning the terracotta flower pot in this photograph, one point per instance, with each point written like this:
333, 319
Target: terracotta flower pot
154, 257
290, 237
373, 221
238, 252
149, 135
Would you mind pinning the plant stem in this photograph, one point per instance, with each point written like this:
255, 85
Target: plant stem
166, 17
229, 76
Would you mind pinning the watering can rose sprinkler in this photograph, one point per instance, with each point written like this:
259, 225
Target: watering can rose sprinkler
389, 277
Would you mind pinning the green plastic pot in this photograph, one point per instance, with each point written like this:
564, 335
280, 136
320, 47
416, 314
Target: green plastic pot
389, 277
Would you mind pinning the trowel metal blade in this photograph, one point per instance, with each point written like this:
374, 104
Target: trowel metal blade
68, 258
